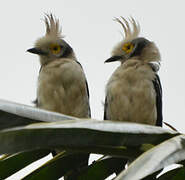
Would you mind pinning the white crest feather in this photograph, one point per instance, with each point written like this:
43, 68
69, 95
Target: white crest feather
52, 26
130, 27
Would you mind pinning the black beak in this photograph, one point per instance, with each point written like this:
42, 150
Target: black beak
36, 51
113, 58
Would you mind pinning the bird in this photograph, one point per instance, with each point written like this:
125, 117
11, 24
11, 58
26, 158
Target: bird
134, 92
62, 86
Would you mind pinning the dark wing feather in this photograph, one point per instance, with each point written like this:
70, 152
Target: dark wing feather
87, 88
88, 97
105, 110
158, 90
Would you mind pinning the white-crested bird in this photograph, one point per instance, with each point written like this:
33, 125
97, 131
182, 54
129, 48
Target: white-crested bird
133, 92
62, 85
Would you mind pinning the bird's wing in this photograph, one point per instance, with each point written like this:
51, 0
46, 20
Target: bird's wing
87, 89
158, 90
105, 110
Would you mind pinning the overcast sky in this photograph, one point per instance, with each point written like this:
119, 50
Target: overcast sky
89, 28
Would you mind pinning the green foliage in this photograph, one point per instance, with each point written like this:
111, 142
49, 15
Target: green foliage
28, 134
13, 163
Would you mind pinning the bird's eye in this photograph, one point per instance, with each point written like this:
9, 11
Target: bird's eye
128, 47
55, 48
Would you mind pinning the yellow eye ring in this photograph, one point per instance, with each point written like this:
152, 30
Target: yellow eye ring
128, 47
55, 48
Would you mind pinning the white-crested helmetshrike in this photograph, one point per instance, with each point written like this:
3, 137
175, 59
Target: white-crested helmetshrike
133, 92
62, 85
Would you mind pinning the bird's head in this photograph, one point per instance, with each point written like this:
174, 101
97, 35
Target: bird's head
52, 46
133, 46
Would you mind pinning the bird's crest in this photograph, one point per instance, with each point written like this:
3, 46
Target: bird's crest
131, 28
52, 26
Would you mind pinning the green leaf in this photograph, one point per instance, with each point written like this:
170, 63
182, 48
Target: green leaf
93, 136
57, 167
153, 176
13, 163
167, 153
3, 156
14, 114
8, 120
175, 174
102, 169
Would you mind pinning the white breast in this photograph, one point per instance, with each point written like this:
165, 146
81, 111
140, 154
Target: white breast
62, 88
130, 94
